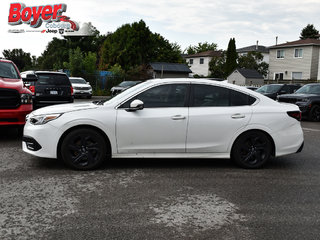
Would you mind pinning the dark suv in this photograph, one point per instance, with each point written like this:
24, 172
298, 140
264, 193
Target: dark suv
308, 100
51, 88
273, 90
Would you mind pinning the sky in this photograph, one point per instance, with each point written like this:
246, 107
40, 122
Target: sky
186, 22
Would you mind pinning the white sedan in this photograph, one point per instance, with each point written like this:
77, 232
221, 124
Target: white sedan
167, 118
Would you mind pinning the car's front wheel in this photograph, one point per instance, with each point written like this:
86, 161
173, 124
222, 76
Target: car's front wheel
314, 114
252, 149
84, 149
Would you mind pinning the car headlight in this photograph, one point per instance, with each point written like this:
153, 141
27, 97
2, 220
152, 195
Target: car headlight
43, 119
26, 98
305, 100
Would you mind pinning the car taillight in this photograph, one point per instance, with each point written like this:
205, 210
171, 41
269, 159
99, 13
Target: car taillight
71, 90
32, 89
295, 115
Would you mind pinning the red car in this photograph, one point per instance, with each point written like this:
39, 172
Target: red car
15, 98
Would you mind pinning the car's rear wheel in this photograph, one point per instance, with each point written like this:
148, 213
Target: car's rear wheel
252, 149
84, 149
314, 114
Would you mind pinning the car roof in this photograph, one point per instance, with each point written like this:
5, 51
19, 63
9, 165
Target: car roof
43, 72
5, 60
205, 81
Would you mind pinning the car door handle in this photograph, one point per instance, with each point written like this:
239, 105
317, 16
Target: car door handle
237, 116
178, 117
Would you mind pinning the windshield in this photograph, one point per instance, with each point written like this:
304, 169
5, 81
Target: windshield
78, 80
7, 70
309, 89
127, 83
52, 79
273, 88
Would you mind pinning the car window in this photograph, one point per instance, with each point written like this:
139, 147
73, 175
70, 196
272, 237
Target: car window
214, 96
52, 79
169, 95
7, 70
240, 99
210, 96
286, 89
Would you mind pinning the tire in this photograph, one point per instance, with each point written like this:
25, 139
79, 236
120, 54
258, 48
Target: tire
314, 114
89, 97
252, 150
84, 149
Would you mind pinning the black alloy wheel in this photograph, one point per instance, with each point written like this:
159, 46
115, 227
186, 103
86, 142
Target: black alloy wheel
84, 149
252, 150
314, 114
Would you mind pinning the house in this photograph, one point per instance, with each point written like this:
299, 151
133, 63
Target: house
245, 77
168, 70
255, 48
199, 62
297, 60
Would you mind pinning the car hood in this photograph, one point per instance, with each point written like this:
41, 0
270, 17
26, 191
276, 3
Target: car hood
118, 88
298, 95
64, 108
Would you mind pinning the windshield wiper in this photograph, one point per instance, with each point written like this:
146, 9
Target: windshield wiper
5, 76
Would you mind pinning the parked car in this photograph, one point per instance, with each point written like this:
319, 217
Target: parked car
15, 98
273, 90
252, 88
51, 88
123, 86
308, 100
167, 118
81, 87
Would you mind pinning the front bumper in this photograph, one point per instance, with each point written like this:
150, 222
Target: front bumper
15, 116
82, 92
40, 140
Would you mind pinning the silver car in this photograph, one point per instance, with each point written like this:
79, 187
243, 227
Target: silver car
81, 88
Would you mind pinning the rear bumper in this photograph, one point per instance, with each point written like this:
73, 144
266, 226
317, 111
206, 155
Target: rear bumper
15, 116
301, 147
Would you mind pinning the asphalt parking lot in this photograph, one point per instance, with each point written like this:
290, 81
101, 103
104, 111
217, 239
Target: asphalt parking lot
160, 199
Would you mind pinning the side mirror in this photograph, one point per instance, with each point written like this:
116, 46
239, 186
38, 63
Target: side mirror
88, 83
29, 78
135, 105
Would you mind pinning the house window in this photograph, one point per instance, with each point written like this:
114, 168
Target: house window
201, 60
298, 53
297, 75
191, 61
280, 53
278, 76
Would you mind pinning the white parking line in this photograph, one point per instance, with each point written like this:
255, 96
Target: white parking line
311, 129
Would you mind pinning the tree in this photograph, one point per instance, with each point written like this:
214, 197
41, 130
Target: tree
231, 59
201, 47
19, 57
75, 64
253, 60
90, 63
57, 50
217, 66
134, 44
309, 32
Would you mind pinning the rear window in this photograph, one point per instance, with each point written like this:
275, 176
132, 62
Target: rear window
52, 79
7, 70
